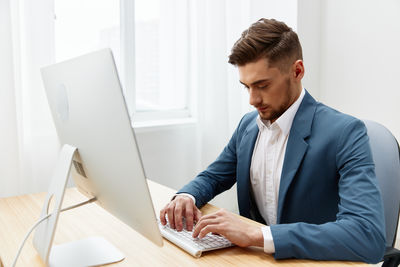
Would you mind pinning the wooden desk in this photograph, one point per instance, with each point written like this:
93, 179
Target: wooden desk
17, 214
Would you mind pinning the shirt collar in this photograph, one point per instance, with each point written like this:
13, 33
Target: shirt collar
284, 122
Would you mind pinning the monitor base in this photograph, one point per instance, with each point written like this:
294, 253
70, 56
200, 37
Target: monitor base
92, 251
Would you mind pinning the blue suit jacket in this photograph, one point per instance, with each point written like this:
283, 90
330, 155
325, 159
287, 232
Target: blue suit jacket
329, 205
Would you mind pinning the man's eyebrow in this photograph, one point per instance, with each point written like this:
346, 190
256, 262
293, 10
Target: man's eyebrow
256, 82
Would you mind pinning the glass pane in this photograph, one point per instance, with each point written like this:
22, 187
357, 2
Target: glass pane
161, 54
83, 26
161, 44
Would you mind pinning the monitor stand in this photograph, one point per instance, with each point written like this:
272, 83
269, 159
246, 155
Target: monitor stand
92, 251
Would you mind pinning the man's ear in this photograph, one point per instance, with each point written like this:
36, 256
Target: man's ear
298, 69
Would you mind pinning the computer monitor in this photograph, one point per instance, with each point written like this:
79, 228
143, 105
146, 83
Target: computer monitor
90, 114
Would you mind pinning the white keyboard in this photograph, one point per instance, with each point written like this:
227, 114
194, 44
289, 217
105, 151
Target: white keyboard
194, 246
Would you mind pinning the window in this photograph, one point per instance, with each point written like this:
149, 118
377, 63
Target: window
150, 42
85, 26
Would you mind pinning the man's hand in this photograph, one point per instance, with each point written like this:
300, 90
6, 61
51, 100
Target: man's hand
230, 226
179, 207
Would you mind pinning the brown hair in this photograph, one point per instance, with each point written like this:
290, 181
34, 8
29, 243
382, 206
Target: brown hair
270, 39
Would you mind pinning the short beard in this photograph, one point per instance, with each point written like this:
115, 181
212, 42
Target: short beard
275, 114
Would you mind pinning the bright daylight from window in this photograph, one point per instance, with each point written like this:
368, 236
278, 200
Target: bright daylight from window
160, 51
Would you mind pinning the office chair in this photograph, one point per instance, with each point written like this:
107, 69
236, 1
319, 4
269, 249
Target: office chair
386, 155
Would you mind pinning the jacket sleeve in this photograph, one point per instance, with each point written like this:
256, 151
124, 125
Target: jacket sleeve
219, 175
358, 234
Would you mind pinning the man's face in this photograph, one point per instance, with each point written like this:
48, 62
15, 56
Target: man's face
271, 91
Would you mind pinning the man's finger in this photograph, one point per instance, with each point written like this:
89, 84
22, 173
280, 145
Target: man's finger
170, 212
202, 223
207, 217
162, 216
210, 228
197, 214
178, 215
189, 215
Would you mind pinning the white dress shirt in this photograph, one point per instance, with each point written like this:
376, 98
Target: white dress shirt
266, 166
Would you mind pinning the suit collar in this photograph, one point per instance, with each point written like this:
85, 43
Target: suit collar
304, 117
296, 147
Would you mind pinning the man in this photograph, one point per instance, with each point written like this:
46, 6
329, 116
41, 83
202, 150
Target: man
302, 168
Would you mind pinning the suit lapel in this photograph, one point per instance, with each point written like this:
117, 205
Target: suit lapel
296, 147
243, 175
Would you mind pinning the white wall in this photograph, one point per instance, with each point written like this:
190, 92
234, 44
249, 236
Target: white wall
309, 32
358, 49
170, 154
9, 141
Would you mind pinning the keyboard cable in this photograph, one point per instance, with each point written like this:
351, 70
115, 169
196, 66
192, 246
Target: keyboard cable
41, 220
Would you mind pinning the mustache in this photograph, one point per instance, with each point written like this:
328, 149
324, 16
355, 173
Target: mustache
261, 106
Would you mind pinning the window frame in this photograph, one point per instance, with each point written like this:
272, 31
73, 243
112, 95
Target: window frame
128, 73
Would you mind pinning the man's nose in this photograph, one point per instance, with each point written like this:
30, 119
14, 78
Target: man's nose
254, 97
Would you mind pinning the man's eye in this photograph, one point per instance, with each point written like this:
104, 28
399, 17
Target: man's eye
262, 86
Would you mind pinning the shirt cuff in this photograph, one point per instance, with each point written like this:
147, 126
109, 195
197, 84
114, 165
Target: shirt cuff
269, 246
187, 195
